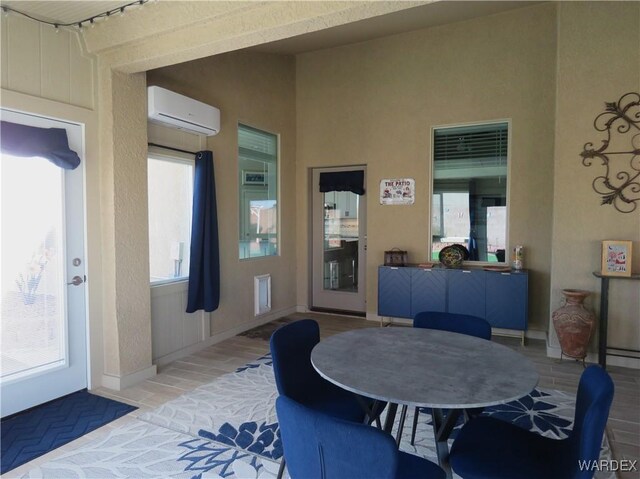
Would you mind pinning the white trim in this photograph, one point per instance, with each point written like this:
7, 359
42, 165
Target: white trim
218, 337
430, 175
118, 383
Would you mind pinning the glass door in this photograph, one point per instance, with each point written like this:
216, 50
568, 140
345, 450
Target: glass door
42, 292
338, 247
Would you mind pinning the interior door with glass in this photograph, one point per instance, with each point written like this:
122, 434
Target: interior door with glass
338, 247
42, 302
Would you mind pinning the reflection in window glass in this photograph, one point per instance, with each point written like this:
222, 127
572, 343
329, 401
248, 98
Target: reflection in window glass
170, 209
258, 186
469, 203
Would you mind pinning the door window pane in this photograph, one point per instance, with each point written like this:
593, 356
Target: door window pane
341, 241
258, 186
469, 203
170, 210
33, 304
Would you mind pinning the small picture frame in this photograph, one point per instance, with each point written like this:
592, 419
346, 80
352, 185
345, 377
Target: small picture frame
616, 258
254, 177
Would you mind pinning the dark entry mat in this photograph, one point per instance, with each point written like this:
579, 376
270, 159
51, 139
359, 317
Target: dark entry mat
36, 431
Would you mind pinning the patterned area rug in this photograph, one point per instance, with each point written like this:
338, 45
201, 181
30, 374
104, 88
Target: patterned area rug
32, 433
228, 428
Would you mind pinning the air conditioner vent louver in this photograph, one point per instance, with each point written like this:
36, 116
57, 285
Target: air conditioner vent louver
178, 111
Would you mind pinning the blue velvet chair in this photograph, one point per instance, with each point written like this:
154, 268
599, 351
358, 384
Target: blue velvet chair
319, 446
297, 379
491, 448
455, 323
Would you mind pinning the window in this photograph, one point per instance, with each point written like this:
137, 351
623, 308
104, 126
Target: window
469, 204
258, 186
170, 209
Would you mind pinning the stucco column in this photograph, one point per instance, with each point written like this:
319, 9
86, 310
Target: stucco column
125, 255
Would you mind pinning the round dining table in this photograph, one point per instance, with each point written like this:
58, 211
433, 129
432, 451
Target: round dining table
425, 368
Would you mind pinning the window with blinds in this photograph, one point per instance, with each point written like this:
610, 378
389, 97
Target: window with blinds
258, 186
469, 204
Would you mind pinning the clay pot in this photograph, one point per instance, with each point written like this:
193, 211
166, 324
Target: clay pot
574, 324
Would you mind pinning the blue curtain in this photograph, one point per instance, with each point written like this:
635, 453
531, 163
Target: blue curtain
29, 141
342, 181
204, 268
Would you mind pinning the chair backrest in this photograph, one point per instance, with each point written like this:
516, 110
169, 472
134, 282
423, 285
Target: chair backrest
595, 394
291, 347
455, 323
318, 446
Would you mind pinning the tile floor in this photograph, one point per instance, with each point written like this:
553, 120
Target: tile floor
190, 372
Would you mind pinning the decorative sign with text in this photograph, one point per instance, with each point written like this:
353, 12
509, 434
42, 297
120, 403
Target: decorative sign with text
397, 191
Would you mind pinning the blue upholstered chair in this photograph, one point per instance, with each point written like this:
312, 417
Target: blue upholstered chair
319, 446
454, 323
490, 448
297, 379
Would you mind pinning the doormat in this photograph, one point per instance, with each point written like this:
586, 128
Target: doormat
36, 431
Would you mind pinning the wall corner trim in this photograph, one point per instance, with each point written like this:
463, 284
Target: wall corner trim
118, 383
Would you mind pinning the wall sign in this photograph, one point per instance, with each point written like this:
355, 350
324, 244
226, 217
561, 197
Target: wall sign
397, 191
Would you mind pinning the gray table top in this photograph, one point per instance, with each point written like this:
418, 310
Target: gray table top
424, 367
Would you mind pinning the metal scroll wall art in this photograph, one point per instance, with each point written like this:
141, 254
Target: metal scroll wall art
619, 153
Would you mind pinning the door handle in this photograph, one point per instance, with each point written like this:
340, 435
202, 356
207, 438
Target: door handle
77, 280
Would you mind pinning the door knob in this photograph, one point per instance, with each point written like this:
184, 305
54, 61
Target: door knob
77, 280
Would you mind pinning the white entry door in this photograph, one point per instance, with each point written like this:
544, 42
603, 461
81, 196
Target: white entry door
338, 247
43, 311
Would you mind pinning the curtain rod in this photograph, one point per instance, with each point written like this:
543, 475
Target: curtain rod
171, 148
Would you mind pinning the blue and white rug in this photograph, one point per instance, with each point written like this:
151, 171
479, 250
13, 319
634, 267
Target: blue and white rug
228, 429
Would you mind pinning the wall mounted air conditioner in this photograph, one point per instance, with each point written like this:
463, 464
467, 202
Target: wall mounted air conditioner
181, 112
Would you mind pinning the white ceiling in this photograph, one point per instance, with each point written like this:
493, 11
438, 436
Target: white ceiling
63, 12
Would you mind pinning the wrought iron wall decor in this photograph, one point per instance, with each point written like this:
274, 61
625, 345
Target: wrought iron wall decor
619, 185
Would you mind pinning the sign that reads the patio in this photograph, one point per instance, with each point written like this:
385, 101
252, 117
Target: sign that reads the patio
397, 191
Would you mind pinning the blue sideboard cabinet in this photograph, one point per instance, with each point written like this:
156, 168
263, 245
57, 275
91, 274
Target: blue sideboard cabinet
499, 297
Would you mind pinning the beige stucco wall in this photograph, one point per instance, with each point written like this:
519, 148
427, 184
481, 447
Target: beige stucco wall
598, 61
375, 103
256, 89
219, 28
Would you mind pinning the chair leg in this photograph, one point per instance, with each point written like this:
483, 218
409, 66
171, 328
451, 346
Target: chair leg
403, 416
281, 468
415, 425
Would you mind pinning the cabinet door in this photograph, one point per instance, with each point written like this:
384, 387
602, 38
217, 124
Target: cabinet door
428, 290
507, 300
394, 292
466, 292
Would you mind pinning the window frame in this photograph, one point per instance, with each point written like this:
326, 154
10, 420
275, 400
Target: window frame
158, 154
240, 184
430, 188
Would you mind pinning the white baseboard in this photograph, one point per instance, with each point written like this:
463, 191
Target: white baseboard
119, 383
218, 337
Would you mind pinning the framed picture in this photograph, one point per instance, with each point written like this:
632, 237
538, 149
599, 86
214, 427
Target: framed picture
254, 177
616, 258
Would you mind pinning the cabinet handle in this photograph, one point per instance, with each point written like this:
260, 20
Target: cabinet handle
466, 271
505, 274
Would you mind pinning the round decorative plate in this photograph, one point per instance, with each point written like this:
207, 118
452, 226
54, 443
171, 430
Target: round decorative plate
451, 257
463, 249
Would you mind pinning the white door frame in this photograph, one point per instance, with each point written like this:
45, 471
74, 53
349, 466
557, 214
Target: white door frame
321, 298
76, 367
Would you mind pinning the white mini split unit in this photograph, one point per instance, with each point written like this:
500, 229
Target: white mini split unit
178, 111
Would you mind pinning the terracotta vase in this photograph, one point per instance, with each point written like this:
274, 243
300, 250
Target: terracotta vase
574, 324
